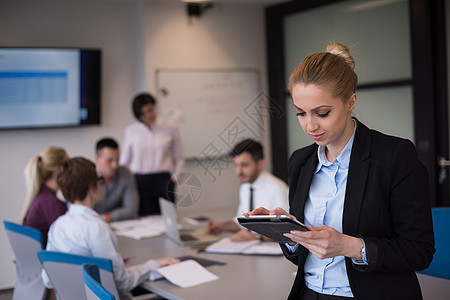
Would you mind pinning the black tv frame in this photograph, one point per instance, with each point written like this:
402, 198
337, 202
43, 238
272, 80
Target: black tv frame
90, 86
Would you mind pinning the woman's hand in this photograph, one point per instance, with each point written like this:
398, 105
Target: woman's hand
326, 242
265, 211
167, 261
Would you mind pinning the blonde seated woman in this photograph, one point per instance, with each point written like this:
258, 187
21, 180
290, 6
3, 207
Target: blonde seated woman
42, 206
82, 231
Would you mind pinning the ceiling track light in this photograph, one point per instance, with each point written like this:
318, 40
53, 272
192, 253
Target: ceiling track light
197, 8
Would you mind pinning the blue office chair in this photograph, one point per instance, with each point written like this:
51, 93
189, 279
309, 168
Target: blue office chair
440, 266
92, 284
25, 242
65, 273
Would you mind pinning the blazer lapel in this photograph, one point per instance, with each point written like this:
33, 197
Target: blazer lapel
303, 184
356, 180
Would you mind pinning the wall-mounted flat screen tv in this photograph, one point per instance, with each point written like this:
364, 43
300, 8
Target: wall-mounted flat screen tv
49, 87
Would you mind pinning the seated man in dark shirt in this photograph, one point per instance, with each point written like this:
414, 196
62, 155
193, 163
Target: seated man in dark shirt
120, 199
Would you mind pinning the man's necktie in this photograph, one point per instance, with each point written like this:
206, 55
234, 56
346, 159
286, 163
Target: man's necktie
251, 198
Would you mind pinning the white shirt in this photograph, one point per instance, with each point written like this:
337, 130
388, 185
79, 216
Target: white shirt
154, 150
268, 191
82, 231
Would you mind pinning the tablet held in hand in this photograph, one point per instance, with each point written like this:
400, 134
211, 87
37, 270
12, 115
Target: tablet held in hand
272, 226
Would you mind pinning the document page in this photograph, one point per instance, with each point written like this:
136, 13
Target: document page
225, 245
265, 248
184, 274
251, 247
140, 228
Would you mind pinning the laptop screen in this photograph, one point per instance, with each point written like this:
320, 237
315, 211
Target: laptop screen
169, 215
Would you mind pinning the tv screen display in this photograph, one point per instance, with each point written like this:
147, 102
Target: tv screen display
49, 87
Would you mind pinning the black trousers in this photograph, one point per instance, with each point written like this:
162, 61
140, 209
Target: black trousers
308, 294
150, 188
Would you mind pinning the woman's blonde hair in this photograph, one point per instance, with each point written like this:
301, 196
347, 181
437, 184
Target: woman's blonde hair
333, 68
38, 170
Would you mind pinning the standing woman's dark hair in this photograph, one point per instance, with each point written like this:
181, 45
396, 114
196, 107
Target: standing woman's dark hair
139, 102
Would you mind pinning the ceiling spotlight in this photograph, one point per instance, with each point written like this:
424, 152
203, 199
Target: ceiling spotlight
195, 8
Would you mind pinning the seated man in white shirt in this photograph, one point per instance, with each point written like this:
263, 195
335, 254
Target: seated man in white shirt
120, 198
82, 231
258, 188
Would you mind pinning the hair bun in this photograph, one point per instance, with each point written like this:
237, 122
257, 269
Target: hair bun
341, 51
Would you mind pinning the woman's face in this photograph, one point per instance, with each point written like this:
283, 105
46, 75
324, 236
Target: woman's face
325, 118
148, 114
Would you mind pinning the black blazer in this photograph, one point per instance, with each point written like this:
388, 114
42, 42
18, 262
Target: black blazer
387, 203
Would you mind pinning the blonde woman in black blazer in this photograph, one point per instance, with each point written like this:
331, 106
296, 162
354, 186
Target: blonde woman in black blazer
384, 231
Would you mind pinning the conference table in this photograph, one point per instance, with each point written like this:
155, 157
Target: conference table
242, 276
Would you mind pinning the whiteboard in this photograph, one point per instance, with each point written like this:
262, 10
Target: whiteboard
214, 108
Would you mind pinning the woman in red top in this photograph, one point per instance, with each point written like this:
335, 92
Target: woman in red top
42, 206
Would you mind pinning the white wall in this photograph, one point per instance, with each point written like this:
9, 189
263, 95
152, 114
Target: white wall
137, 37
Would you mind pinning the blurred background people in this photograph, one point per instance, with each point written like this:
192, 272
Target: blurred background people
42, 206
152, 151
120, 199
82, 231
258, 188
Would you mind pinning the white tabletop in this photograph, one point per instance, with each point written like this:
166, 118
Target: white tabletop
242, 277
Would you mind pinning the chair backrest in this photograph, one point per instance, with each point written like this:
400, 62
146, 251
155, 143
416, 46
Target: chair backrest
25, 242
92, 284
440, 266
64, 271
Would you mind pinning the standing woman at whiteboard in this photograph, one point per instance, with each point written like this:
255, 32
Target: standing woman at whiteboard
152, 151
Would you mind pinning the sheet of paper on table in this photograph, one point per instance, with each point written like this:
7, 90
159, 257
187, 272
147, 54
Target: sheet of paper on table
251, 247
140, 228
184, 274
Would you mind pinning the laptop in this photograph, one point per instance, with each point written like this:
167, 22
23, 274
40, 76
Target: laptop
194, 237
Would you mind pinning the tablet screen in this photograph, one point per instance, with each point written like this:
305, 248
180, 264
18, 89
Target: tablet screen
272, 226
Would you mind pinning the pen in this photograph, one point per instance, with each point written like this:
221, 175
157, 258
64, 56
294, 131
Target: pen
128, 259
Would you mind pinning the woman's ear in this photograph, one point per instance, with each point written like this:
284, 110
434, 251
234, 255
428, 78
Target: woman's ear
351, 102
